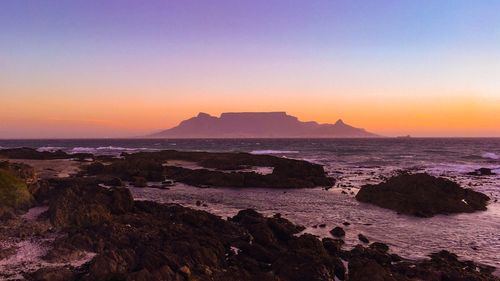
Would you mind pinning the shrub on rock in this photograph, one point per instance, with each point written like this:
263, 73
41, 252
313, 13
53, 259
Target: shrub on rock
13, 191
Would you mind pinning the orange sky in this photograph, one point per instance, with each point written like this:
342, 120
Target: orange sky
113, 69
47, 116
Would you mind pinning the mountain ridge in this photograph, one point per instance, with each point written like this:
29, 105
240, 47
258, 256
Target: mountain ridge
277, 124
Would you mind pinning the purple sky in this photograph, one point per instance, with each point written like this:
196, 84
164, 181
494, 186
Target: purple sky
119, 68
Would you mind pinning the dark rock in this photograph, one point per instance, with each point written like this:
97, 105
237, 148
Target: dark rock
346, 223
30, 153
363, 238
148, 241
381, 247
307, 260
52, 274
198, 203
422, 195
266, 231
333, 246
140, 182
369, 270
95, 168
205, 177
115, 182
322, 225
338, 232
83, 206
447, 266
482, 172
287, 173
375, 263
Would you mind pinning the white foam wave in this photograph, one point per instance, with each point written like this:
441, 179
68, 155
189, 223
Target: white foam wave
116, 148
274, 151
445, 168
490, 155
83, 150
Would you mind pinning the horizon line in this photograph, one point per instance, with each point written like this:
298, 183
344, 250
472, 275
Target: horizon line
256, 138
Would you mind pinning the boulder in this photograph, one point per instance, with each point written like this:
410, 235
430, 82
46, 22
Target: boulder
338, 231
380, 247
422, 195
363, 238
333, 246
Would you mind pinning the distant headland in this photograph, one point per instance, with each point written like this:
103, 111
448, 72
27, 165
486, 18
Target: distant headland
259, 125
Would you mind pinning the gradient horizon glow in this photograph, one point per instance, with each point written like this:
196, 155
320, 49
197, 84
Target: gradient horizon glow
94, 68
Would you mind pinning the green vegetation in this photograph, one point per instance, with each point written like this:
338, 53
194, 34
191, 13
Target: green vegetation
13, 191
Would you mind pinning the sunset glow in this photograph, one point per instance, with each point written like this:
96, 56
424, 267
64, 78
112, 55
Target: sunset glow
129, 68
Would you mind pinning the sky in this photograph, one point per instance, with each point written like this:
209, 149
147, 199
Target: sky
106, 68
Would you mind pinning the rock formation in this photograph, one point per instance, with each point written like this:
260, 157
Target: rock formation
422, 195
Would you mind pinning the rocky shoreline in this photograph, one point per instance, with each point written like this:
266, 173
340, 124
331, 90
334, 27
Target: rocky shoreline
92, 231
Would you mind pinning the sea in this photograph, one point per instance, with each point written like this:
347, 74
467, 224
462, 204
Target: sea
353, 163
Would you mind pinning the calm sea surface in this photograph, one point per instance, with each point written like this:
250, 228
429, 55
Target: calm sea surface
353, 162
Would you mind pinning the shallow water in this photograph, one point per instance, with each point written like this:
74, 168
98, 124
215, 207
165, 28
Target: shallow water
474, 236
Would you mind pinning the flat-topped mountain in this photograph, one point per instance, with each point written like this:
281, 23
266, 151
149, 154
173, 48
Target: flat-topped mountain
258, 125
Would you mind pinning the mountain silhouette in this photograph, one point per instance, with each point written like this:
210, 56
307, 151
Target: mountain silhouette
258, 125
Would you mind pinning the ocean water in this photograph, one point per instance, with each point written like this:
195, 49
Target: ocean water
353, 162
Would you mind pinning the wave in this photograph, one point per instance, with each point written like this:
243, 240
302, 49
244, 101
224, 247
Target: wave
116, 148
83, 150
50, 148
490, 155
273, 151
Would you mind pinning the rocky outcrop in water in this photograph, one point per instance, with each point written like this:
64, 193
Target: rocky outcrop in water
482, 172
31, 153
216, 170
422, 195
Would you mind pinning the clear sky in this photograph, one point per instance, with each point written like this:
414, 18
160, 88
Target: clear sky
97, 68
